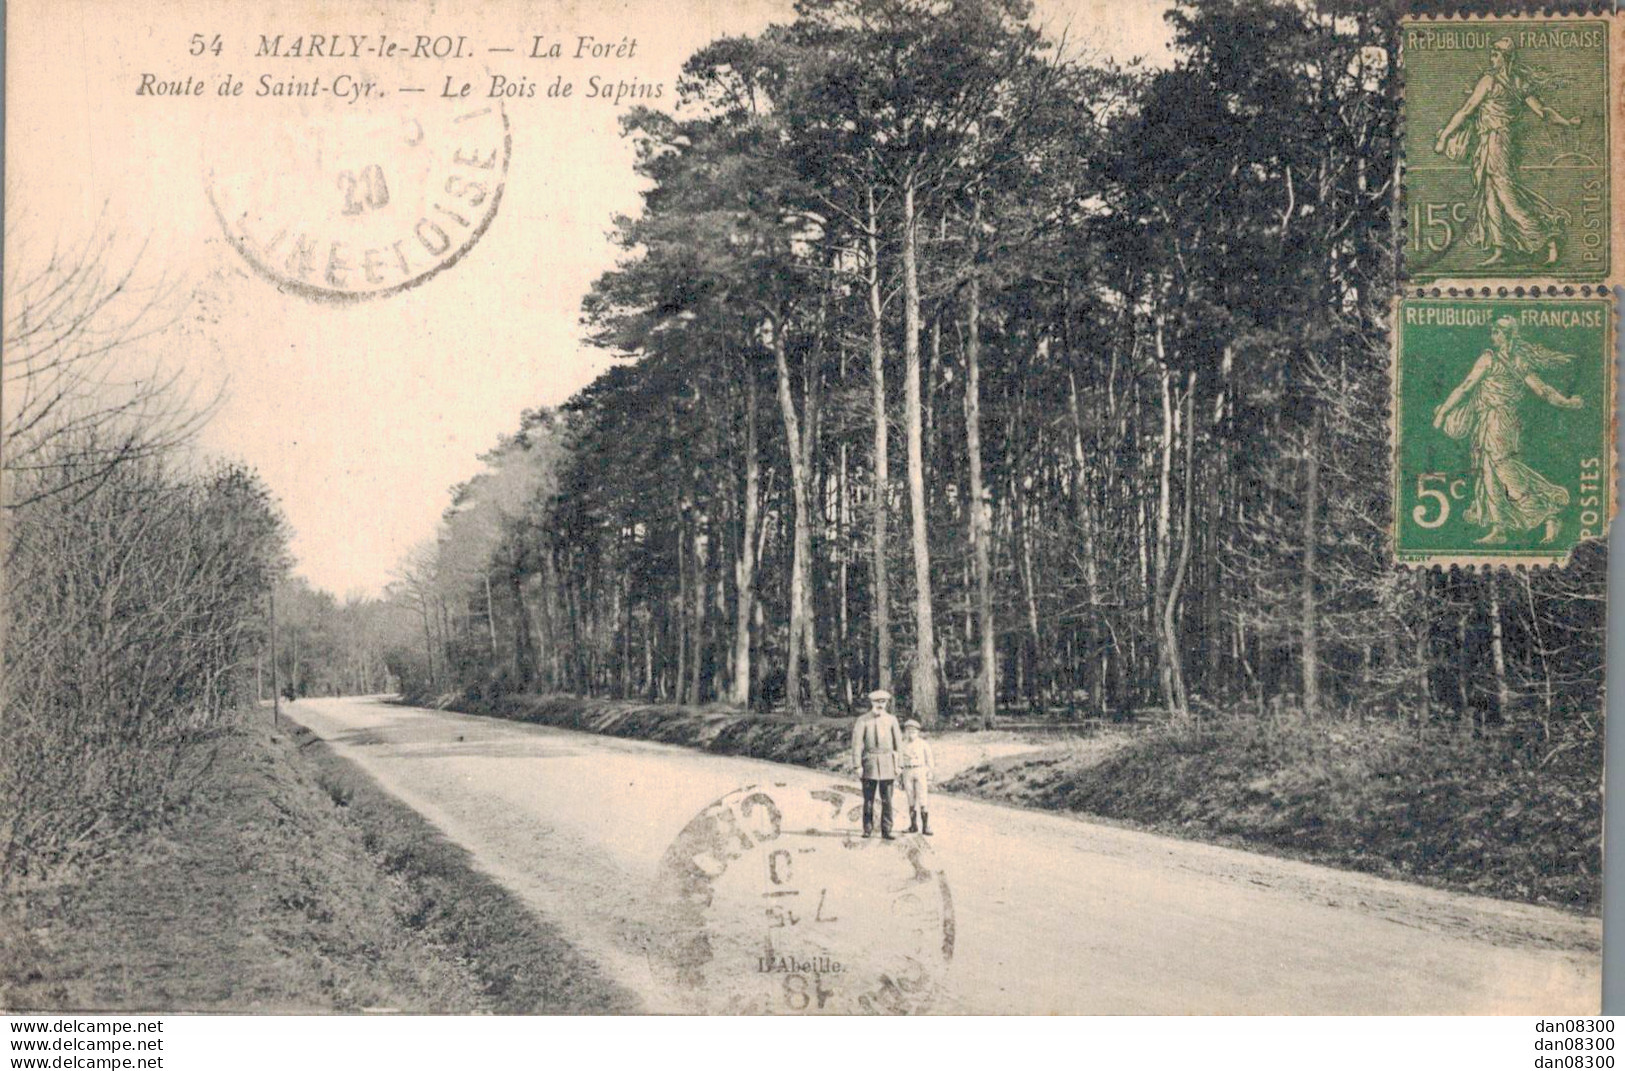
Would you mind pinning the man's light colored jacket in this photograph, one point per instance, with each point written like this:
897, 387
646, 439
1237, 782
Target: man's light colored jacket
876, 740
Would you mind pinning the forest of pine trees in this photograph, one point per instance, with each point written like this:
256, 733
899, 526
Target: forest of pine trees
955, 361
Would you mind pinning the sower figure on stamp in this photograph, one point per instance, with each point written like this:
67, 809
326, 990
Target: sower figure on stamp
918, 770
1505, 211
1483, 409
876, 741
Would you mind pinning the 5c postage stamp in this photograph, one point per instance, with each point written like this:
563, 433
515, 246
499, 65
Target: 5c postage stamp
1507, 146
1503, 429
777, 906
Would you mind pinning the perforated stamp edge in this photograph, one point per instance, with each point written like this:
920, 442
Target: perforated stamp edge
1487, 561
1616, 157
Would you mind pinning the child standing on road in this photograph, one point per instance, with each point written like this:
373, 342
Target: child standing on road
918, 767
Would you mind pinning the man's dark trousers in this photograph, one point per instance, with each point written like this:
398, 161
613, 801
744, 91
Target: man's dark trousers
869, 786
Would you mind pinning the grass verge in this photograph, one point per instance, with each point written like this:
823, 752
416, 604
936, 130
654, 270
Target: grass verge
1482, 815
289, 883
819, 745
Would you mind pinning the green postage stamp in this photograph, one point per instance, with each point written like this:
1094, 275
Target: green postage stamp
1507, 147
1503, 428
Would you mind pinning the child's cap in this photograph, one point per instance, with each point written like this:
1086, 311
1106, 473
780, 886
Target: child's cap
911, 724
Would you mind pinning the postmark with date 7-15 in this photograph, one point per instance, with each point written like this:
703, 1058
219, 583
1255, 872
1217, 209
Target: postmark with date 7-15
775, 905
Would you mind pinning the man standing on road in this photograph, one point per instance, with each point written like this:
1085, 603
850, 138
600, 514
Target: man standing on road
876, 740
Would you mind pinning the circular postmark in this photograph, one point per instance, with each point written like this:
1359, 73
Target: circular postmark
775, 905
348, 205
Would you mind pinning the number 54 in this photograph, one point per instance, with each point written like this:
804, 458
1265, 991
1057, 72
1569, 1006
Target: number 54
1437, 494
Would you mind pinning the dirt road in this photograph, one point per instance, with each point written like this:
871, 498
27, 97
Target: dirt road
1004, 910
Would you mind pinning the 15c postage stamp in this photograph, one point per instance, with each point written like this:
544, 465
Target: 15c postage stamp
1507, 146
1503, 428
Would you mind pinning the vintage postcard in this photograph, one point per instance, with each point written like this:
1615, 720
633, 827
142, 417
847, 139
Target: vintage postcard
843, 507
1509, 154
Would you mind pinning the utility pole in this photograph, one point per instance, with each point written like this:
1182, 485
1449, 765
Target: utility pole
276, 690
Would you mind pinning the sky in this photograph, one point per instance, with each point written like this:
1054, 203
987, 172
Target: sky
360, 416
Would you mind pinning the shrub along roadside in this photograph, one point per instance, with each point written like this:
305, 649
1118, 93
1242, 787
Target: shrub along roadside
135, 607
1495, 816
290, 882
